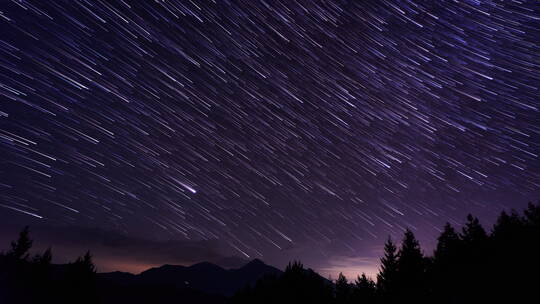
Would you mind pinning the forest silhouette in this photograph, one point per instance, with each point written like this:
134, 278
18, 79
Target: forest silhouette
468, 266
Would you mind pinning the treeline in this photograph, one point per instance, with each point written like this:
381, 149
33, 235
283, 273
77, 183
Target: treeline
26, 279
473, 265
469, 266
34, 279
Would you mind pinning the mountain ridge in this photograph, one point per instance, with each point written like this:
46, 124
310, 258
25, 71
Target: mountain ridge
204, 276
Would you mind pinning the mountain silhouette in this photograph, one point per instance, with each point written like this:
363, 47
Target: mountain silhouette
406, 275
205, 277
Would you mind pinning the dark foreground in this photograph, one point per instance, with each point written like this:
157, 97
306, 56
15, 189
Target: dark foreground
501, 265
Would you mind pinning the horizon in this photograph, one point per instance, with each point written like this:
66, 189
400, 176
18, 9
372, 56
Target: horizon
367, 266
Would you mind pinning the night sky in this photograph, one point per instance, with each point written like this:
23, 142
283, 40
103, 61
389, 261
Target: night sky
157, 132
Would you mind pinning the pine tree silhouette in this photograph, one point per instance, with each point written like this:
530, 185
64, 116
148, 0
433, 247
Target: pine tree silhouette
511, 242
473, 234
19, 249
295, 285
387, 278
17, 268
529, 255
411, 268
532, 215
470, 267
443, 274
39, 280
26, 280
32, 280
365, 289
81, 280
447, 245
474, 259
43, 259
343, 290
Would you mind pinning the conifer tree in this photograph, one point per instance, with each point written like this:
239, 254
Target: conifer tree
365, 289
447, 245
473, 232
443, 274
81, 280
507, 227
532, 215
19, 249
343, 289
387, 276
411, 267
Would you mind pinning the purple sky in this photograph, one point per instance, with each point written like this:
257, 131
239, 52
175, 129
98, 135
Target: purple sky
179, 131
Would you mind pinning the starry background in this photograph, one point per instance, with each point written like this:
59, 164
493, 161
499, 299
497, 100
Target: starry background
276, 130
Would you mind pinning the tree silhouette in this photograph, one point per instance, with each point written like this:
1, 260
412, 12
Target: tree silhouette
411, 268
295, 285
529, 261
532, 215
19, 249
512, 239
38, 280
28, 279
81, 280
343, 290
470, 267
387, 278
34, 281
473, 234
442, 272
365, 289
447, 246
43, 259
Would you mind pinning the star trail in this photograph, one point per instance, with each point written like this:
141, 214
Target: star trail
281, 129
